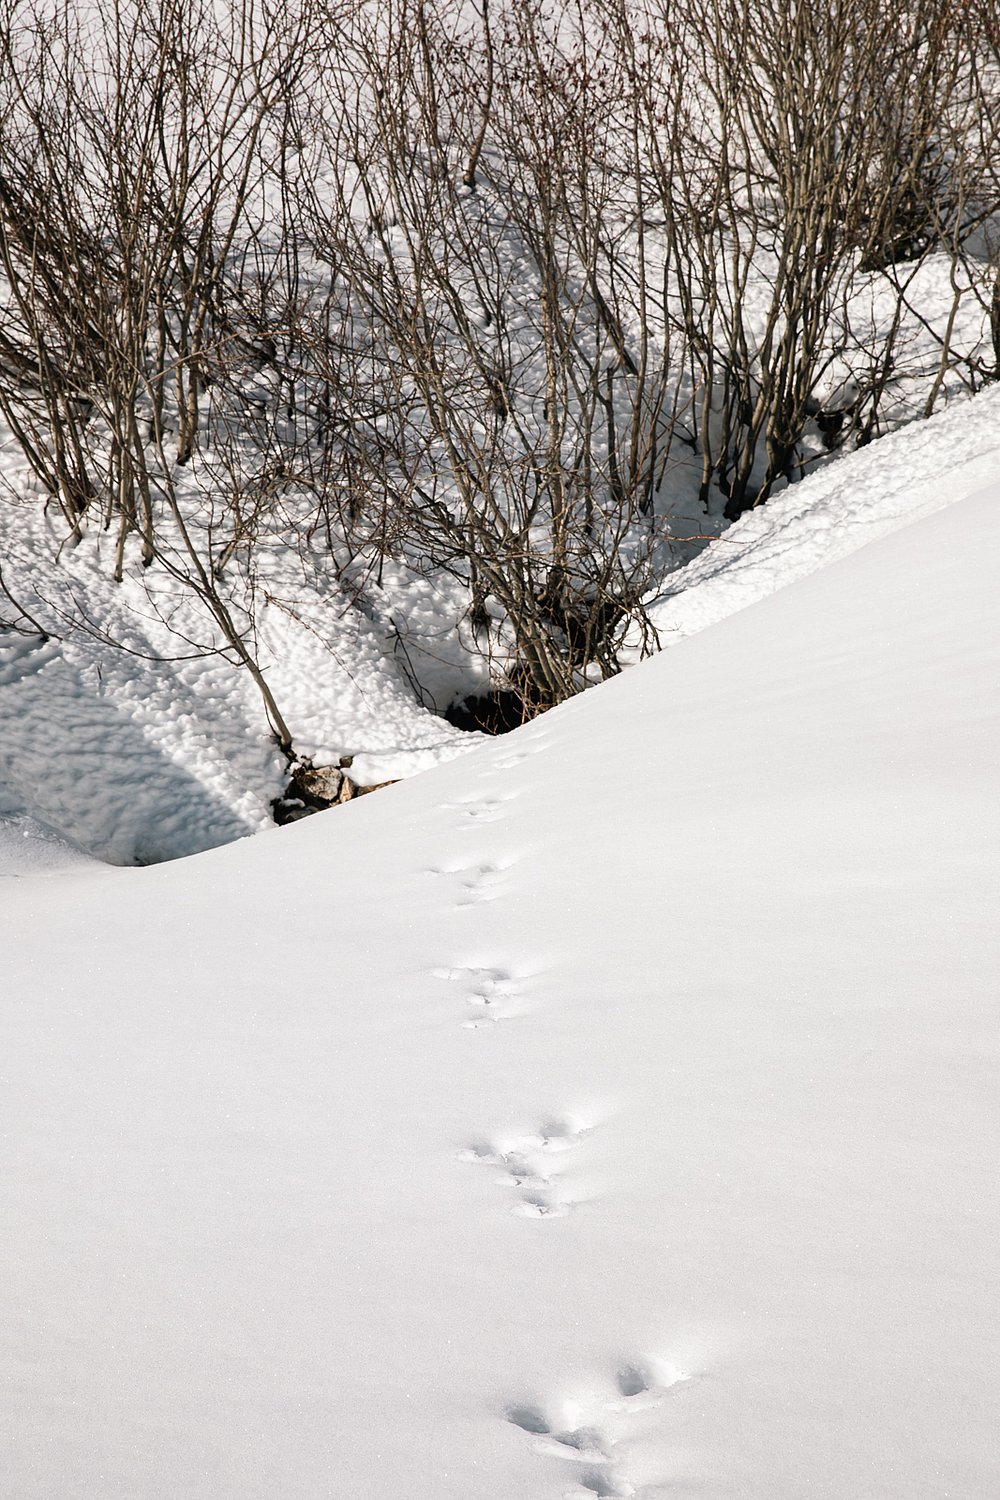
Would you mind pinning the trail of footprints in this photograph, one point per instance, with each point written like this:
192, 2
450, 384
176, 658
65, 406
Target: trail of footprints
536, 1171
481, 881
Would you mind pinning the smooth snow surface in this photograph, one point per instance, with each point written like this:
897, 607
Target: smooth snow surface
609, 1113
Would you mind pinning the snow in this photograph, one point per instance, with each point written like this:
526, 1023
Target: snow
29, 847
609, 1112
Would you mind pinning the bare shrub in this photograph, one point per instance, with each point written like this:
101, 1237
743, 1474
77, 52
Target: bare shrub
478, 289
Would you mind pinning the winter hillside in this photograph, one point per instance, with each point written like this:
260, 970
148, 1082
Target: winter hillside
607, 1109
610, 1112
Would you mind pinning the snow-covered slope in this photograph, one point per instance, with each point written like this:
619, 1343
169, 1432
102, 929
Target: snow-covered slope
847, 504
608, 1113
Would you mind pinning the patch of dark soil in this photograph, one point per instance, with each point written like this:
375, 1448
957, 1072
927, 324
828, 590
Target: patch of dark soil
496, 712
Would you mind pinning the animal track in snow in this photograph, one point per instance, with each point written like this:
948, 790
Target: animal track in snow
580, 1444
478, 882
602, 1483
585, 1443
478, 810
526, 1163
589, 1432
642, 1385
488, 991
511, 758
510, 761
